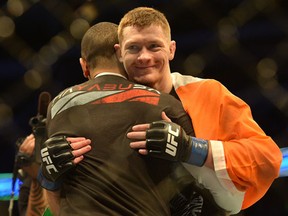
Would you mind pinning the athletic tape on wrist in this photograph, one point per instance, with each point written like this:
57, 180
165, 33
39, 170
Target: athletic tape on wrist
199, 152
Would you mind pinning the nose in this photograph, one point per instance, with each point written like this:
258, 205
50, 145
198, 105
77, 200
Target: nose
144, 55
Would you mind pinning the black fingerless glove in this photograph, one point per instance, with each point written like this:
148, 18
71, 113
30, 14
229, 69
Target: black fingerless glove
56, 158
167, 140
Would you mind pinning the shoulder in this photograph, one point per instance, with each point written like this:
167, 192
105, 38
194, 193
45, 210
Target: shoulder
195, 83
70, 91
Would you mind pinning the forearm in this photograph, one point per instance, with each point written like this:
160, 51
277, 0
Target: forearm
37, 201
53, 199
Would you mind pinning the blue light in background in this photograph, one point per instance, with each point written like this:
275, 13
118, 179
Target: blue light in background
284, 164
6, 186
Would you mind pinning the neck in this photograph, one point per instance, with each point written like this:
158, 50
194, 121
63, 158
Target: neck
110, 73
163, 88
165, 85
97, 71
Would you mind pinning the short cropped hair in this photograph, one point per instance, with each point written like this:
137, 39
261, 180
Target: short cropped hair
141, 17
97, 46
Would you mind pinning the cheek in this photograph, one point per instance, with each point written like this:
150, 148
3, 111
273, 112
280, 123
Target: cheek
163, 58
127, 60
128, 67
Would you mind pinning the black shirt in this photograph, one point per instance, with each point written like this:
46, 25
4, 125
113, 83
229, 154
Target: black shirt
114, 179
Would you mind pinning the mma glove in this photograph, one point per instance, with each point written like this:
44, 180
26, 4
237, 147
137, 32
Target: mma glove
167, 140
56, 158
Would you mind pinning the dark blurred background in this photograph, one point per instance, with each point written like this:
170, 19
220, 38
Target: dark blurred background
241, 43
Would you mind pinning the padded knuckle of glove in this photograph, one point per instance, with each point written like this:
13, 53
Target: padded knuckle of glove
155, 138
165, 140
60, 141
156, 134
159, 124
64, 158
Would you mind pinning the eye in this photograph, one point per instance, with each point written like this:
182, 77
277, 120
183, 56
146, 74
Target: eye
133, 48
154, 46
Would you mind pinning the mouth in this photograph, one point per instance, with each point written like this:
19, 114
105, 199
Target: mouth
141, 67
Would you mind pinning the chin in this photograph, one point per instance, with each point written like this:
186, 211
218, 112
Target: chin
144, 78
146, 82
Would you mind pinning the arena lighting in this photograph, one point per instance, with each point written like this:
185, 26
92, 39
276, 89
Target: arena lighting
6, 114
284, 164
37, 63
78, 28
6, 186
269, 84
7, 27
15, 8
88, 11
194, 64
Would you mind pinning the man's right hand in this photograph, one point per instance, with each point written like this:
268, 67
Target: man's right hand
59, 155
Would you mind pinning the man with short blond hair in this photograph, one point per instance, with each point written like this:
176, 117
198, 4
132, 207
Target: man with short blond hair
240, 156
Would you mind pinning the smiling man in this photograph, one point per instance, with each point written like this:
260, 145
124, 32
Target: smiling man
241, 157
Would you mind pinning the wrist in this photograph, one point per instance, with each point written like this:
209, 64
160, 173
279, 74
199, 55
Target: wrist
199, 151
47, 183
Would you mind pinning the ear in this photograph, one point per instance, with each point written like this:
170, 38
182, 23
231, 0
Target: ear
172, 49
118, 52
85, 69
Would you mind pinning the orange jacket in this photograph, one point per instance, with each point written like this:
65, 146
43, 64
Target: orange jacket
245, 155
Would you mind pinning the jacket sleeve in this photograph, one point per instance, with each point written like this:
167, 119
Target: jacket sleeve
252, 159
245, 158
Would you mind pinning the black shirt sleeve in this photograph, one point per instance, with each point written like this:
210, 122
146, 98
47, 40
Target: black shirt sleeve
175, 111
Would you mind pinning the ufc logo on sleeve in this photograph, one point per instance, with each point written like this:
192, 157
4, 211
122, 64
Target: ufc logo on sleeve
171, 146
47, 159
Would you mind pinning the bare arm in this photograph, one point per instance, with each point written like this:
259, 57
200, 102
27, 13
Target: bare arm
53, 199
37, 201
